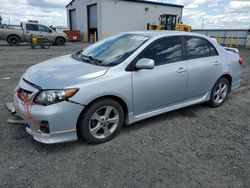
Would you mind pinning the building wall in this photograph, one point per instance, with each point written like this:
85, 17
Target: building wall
81, 14
119, 16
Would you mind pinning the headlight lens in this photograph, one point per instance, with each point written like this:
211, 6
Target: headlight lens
48, 97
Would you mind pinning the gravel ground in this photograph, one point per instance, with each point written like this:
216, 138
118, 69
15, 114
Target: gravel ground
194, 147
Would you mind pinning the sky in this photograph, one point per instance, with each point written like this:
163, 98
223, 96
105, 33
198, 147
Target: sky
197, 13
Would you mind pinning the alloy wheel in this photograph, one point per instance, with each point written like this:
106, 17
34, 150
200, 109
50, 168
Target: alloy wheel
220, 92
104, 122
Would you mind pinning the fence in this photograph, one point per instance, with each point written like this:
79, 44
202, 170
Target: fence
228, 38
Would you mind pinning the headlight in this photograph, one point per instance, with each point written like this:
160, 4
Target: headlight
48, 97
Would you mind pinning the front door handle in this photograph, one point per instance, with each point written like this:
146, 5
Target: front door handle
181, 70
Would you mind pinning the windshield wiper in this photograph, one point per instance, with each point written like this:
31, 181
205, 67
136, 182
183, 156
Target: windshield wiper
90, 58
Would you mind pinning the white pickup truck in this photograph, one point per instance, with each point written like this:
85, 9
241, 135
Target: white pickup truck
15, 36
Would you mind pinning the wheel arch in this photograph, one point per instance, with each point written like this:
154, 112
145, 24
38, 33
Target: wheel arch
15, 36
229, 78
58, 37
113, 97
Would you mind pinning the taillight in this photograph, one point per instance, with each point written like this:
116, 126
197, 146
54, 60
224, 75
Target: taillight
241, 61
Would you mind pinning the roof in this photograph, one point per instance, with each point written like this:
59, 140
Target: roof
162, 33
155, 3
146, 2
221, 30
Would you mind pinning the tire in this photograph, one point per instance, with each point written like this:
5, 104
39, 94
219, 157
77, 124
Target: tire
13, 40
60, 41
219, 92
101, 121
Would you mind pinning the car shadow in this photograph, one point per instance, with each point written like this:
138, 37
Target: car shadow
7, 45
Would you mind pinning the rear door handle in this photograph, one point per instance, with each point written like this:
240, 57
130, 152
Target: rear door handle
216, 63
181, 70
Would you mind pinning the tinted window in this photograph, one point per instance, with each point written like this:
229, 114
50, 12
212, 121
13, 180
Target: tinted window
213, 51
31, 27
43, 28
199, 47
164, 51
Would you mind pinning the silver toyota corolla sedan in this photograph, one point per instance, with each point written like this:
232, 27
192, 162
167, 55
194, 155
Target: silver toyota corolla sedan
121, 80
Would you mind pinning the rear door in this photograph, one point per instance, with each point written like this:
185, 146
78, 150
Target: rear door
166, 83
203, 65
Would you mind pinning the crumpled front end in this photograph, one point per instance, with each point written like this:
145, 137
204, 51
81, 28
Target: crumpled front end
47, 124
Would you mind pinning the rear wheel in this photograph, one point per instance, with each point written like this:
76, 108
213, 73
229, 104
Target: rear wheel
219, 92
101, 121
13, 41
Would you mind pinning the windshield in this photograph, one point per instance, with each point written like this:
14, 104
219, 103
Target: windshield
114, 50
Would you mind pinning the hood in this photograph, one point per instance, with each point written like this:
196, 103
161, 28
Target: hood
61, 72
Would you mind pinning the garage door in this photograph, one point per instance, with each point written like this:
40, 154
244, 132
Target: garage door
72, 15
93, 16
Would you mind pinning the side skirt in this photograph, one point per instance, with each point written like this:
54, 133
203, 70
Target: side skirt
204, 98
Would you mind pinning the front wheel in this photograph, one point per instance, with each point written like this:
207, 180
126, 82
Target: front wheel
219, 92
60, 42
101, 121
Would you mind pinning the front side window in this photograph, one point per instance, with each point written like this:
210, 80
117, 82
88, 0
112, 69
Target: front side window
43, 29
198, 48
114, 50
169, 20
164, 51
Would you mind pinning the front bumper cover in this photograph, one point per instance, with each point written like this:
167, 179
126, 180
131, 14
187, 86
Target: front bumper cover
61, 117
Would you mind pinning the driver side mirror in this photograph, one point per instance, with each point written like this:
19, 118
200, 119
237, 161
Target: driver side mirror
145, 63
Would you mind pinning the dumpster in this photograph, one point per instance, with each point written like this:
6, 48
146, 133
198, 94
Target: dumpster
73, 35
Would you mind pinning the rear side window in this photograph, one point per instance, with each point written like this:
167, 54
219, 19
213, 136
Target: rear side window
32, 27
198, 47
213, 51
167, 50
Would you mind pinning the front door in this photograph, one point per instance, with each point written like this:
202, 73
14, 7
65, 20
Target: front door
164, 85
46, 33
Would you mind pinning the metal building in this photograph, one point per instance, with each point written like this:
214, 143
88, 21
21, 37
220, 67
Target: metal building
106, 17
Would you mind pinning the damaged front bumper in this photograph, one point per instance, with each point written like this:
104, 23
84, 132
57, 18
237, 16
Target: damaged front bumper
55, 123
